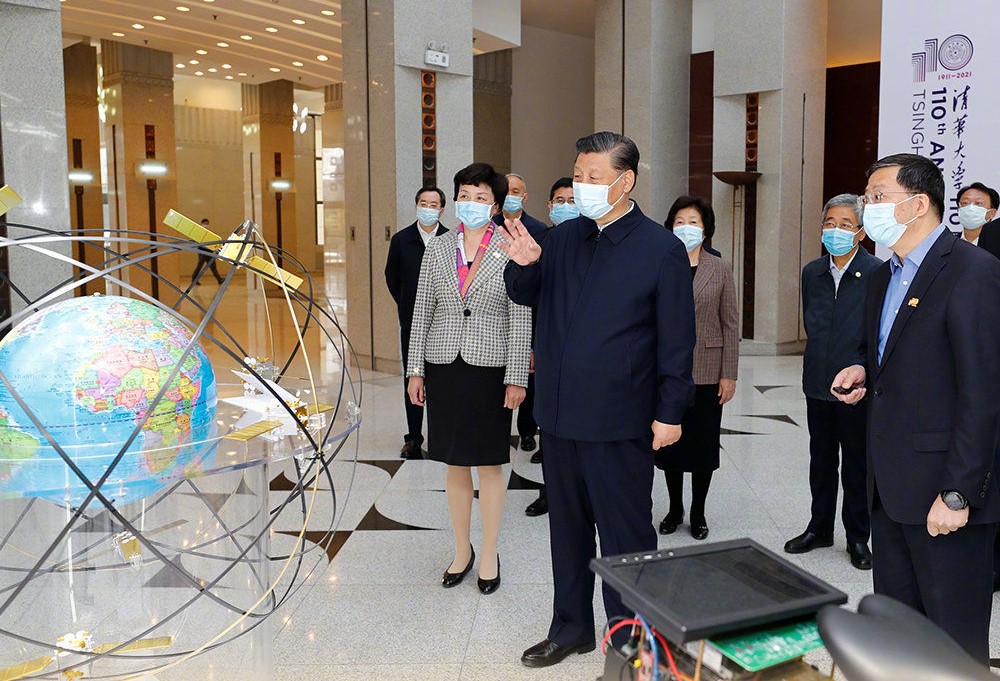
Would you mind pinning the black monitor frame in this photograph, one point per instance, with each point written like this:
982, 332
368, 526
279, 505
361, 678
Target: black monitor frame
667, 622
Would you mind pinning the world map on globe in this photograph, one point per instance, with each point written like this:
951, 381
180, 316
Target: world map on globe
89, 370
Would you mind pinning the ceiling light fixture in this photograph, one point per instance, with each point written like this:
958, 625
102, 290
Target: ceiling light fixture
328, 12
271, 29
322, 57
160, 17
199, 73
213, 70
194, 62
138, 26
229, 77
182, 8
296, 63
274, 69
241, 73
227, 66
246, 37
118, 34
300, 22
181, 66
201, 51
222, 44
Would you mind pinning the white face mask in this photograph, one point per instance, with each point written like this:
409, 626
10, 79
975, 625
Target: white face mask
880, 222
972, 216
592, 199
690, 235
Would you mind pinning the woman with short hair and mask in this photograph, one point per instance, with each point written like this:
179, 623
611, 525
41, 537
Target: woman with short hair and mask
716, 360
468, 360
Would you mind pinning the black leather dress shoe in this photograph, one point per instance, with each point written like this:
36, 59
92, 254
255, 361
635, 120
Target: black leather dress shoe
806, 542
861, 555
411, 450
537, 456
699, 530
670, 523
548, 653
488, 586
528, 443
539, 506
451, 579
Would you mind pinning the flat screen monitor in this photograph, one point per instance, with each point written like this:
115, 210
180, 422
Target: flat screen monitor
695, 592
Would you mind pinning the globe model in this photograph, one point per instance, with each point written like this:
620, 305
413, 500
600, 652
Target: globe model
87, 374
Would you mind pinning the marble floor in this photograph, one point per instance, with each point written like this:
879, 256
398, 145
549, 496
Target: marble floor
379, 612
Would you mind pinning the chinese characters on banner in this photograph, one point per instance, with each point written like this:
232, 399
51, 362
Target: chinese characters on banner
937, 62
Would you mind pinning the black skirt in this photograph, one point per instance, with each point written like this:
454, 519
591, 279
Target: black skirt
467, 424
698, 448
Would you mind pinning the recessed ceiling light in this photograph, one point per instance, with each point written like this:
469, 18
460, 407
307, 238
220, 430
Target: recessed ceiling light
274, 69
271, 29
229, 77
138, 26
201, 51
222, 44
199, 73
213, 70
227, 66
298, 21
296, 63
241, 73
246, 37
118, 34
193, 62
160, 17
182, 8
322, 57
180, 66
328, 12
209, 0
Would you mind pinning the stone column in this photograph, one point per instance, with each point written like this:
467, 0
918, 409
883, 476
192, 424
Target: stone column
776, 48
83, 139
139, 129
642, 62
269, 161
32, 152
384, 44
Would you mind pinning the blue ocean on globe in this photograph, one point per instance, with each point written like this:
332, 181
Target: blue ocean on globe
89, 369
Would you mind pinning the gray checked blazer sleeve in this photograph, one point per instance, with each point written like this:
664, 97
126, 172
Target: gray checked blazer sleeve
485, 327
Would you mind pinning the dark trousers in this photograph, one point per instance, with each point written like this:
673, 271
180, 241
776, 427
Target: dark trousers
414, 414
526, 412
948, 578
607, 485
206, 260
837, 441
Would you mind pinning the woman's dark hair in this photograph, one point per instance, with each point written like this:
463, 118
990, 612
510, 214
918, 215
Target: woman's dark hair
483, 174
624, 154
424, 190
917, 174
703, 207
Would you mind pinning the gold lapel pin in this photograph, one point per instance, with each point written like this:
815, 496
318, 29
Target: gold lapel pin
914, 302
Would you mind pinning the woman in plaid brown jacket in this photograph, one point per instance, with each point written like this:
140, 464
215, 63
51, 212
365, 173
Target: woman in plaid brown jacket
716, 358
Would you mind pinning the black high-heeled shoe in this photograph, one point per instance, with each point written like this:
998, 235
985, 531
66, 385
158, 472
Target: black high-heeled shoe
451, 579
488, 586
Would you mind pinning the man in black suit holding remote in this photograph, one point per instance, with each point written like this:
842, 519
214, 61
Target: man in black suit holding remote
929, 362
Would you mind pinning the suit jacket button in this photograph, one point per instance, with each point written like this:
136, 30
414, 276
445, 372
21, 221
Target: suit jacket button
467, 312
878, 391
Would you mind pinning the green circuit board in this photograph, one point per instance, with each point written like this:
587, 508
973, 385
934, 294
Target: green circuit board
766, 648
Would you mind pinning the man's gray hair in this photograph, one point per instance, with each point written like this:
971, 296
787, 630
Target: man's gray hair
510, 175
852, 201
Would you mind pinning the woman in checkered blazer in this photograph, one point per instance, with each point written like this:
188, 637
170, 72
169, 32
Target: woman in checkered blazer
468, 359
716, 358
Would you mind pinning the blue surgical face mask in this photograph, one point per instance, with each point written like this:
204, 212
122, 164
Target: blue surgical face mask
472, 214
838, 241
428, 216
880, 222
690, 235
561, 212
512, 204
972, 216
592, 199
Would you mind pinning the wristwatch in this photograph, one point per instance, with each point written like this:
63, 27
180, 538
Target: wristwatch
954, 500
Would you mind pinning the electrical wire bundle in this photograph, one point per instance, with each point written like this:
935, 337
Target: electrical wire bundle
649, 646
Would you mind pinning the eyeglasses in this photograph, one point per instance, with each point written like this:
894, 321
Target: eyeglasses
879, 197
560, 201
832, 224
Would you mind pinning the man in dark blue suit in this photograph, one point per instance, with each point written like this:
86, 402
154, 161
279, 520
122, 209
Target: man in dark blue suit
513, 209
613, 358
931, 367
402, 272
